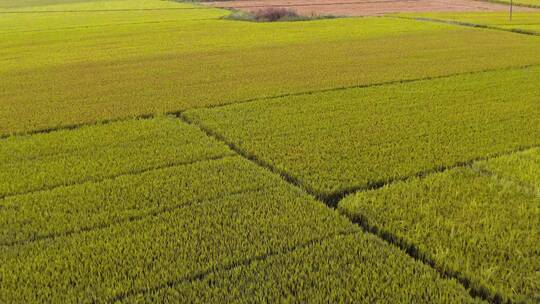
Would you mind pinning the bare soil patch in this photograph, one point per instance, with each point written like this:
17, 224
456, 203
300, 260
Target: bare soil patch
366, 7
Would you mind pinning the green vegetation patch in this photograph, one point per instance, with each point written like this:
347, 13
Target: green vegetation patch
522, 168
356, 268
143, 231
481, 221
217, 226
49, 79
42, 25
358, 138
83, 5
42, 161
68, 210
528, 23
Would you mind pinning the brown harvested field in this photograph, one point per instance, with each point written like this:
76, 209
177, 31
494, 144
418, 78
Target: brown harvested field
366, 7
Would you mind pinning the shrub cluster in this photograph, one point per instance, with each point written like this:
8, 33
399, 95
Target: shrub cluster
271, 14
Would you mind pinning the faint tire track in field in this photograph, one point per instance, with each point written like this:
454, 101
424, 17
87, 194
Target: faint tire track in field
129, 218
133, 172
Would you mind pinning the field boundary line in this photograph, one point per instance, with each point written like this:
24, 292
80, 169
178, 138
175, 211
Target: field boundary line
476, 289
479, 291
101, 25
364, 86
74, 126
115, 176
469, 24
130, 218
335, 197
245, 262
111, 10
250, 157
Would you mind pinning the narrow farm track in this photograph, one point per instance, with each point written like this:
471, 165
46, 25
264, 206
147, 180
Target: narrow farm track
245, 101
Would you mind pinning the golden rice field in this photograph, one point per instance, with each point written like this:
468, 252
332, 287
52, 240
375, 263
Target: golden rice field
156, 151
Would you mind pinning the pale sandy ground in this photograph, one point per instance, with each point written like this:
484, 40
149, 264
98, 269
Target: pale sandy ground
367, 7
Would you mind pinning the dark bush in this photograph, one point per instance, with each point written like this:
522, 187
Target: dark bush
270, 14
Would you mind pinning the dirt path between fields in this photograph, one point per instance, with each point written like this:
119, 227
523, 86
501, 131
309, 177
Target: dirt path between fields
367, 7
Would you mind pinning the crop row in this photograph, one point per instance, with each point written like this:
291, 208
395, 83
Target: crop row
170, 66
481, 221
96, 242
358, 138
356, 268
31, 163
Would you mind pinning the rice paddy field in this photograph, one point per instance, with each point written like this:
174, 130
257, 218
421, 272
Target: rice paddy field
156, 151
523, 23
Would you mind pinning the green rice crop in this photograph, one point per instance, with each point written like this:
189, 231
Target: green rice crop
358, 138
522, 168
70, 5
356, 268
66, 210
481, 221
521, 22
42, 161
131, 235
56, 74
141, 231
40, 26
